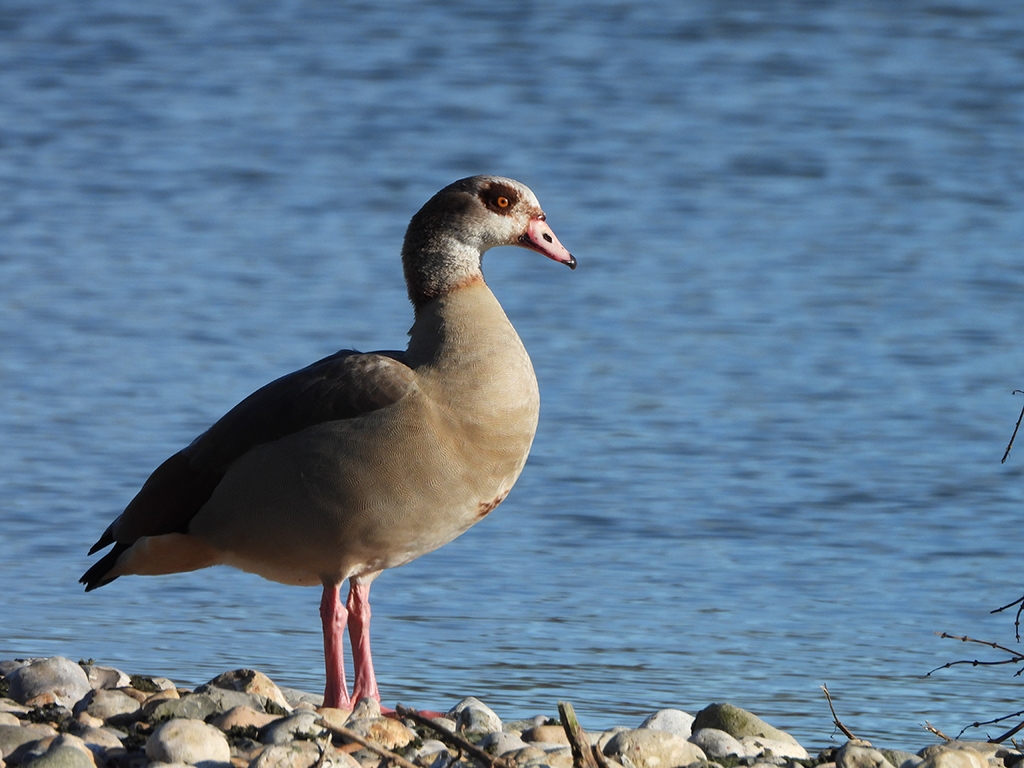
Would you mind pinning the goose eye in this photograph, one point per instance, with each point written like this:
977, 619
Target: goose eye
502, 201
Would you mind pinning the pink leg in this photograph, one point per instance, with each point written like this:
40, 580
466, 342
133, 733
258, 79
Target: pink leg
334, 616
359, 634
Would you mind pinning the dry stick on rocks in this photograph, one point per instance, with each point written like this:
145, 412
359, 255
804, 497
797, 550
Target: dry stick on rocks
452, 740
1010, 444
835, 718
348, 733
584, 754
929, 727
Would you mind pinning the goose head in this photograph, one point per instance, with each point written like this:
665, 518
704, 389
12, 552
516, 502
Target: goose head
447, 238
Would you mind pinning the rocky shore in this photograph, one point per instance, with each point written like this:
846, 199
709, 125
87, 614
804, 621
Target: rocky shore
55, 713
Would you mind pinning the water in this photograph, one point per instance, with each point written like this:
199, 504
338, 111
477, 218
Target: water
775, 392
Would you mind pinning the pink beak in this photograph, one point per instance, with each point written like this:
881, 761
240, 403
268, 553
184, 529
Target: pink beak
539, 237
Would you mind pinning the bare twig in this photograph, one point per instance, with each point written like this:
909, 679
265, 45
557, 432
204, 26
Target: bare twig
453, 740
1016, 622
348, 733
1015, 656
320, 761
1008, 734
929, 727
1010, 444
998, 739
835, 718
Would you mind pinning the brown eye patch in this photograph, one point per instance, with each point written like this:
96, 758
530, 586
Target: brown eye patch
500, 198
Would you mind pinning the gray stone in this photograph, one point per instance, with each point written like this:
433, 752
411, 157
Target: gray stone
473, 716
672, 720
737, 723
10, 705
188, 741
9, 665
432, 754
444, 722
250, 681
56, 677
62, 757
106, 677
757, 746
105, 703
983, 747
717, 743
650, 748
302, 754
953, 757
294, 697
16, 740
225, 699
530, 722
560, 757
366, 709
197, 706
98, 739
900, 758
501, 742
857, 753
150, 684
287, 729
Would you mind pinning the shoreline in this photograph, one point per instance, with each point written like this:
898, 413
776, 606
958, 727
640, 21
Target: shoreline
58, 713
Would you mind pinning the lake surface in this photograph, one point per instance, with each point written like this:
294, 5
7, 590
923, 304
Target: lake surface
775, 392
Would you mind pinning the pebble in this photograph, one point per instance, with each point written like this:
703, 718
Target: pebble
737, 722
101, 717
473, 716
106, 703
192, 742
672, 720
650, 748
48, 681
389, 733
301, 725
717, 743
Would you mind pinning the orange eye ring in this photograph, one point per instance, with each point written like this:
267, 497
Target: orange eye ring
502, 201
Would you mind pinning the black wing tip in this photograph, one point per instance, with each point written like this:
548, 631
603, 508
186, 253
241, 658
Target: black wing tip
96, 576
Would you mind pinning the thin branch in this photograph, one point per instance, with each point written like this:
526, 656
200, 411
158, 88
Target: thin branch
965, 639
1008, 734
1019, 602
929, 727
993, 722
1015, 656
348, 733
1011, 443
835, 718
454, 740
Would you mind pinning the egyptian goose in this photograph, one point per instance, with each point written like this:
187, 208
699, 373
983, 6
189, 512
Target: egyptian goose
361, 461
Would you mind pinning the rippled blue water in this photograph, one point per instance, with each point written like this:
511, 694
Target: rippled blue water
775, 392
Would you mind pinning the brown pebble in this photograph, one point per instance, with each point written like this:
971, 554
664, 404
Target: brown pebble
139, 696
333, 716
547, 734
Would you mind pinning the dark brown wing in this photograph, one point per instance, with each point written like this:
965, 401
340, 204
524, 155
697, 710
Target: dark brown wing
345, 385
